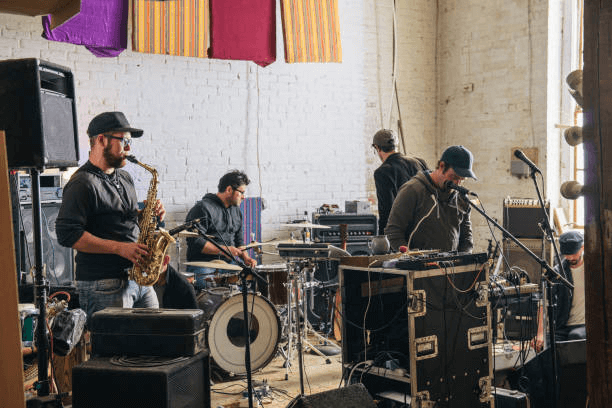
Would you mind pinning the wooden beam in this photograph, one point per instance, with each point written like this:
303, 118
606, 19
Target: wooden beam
11, 363
597, 132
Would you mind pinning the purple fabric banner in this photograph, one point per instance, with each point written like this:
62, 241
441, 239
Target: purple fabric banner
101, 27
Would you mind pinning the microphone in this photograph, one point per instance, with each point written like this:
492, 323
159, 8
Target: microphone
572, 190
462, 190
184, 226
521, 156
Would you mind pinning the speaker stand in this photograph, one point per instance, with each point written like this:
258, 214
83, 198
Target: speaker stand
40, 289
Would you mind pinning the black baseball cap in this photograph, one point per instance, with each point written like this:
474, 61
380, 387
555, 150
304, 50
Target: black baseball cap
384, 138
460, 159
570, 242
111, 122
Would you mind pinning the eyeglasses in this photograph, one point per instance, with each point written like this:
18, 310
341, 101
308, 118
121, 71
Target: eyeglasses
242, 192
126, 140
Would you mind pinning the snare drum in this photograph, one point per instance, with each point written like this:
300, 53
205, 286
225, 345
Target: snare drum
225, 338
276, 276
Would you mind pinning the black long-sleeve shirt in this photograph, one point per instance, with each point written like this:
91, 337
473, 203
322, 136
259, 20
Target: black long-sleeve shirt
389, 177
105, 206
223, 223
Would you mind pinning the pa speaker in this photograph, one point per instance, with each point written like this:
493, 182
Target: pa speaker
353, 396
142, 382
58, 259
38, 114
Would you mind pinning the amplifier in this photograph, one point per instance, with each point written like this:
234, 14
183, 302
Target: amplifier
361, 227
522, 217
50, 188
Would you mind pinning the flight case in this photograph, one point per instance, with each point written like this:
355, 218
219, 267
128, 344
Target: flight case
423, 333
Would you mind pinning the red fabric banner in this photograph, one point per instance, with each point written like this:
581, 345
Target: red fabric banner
243, 30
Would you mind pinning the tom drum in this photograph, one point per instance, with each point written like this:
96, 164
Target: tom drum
276, 275
225, 338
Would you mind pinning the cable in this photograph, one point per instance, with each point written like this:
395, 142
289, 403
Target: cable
433, 197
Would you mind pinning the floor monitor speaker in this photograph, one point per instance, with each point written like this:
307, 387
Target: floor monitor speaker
353, 396
38, 114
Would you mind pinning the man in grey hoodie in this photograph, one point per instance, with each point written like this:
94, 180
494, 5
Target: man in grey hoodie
427, 214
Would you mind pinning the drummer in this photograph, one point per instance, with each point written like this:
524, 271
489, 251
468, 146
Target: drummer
221, 218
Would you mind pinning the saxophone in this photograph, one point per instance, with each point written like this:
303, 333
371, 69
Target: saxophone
147, 272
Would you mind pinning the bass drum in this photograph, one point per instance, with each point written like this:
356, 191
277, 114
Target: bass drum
225, 338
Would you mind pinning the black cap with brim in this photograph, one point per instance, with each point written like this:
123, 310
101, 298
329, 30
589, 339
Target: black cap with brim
460, 159
570, 242
111, 122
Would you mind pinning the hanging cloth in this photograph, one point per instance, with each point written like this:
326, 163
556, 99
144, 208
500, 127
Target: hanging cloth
101, 26
311, 30
177, 27
243, 30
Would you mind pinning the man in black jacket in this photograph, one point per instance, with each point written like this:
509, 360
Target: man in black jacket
174, 290
570, 311
394, 171
220, 217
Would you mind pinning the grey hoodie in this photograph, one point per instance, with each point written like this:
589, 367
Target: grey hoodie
441, 217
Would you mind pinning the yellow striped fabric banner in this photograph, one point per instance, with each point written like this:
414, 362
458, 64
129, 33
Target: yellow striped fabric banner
176, 27
312, 31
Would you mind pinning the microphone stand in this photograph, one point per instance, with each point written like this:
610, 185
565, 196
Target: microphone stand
549, 295
552, 274
246, 271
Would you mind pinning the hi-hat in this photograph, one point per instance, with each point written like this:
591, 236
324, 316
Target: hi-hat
305, 225
188, 234
215, 265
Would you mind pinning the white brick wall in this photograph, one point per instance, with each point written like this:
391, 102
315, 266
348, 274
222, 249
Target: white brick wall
487, 44
303, 131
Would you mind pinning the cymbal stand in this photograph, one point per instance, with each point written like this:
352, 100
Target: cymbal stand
295, 325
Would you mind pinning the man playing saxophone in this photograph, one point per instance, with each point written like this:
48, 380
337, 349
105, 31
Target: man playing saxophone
99, 219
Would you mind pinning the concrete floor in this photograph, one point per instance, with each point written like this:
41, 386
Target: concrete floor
318, 376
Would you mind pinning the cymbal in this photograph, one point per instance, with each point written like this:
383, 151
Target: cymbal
305, 225
188, 234
215, 265
252, 245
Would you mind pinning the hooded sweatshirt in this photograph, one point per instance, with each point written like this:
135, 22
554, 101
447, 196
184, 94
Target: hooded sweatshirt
440, 219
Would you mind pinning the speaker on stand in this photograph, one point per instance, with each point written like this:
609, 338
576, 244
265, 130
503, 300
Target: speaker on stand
38, 116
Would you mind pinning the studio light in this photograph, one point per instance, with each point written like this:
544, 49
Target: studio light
574, 80
573, 135
572, 190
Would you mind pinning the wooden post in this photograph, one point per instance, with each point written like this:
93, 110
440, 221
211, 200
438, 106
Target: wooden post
11, 363
597, 132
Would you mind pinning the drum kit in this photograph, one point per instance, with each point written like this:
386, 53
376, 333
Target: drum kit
277, 309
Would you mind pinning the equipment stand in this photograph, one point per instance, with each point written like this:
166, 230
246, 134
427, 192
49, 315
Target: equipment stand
246, 271
40, 289
295, 291
551, 274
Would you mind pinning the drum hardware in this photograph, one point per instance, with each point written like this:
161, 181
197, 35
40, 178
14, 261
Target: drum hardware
298, 326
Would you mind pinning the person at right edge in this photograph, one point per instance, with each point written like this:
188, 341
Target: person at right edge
570, 311
427, 214
394, 171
